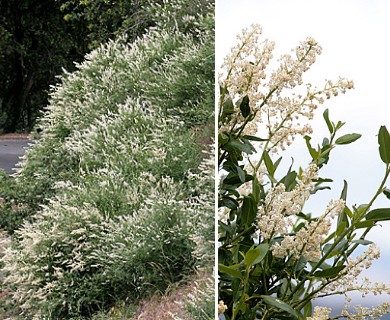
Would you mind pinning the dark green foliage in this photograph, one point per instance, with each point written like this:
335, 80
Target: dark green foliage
35, 44
106, 19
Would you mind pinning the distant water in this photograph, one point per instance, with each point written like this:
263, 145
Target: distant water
336, 308
385, 317
336, 304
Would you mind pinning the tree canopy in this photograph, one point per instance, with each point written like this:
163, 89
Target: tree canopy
40, 38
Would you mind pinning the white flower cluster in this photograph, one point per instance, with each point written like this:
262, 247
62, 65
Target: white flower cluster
350, 280
320, 313
289, 74
221, 307
258, 171
283, 115
307, 241
244, 73
245, 66
364, 313
223, 214
274, 216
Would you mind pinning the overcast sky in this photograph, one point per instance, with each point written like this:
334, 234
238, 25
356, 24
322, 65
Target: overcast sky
354, 35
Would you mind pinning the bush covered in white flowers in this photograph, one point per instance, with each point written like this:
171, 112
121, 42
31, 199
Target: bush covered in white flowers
113, 200
167, 67
73, 260
274, 259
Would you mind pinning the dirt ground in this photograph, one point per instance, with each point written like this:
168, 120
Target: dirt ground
14, 136
161, 307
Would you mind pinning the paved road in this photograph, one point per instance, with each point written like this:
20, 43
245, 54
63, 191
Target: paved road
10, 151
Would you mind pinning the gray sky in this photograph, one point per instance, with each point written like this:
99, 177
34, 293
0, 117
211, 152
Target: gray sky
354, 35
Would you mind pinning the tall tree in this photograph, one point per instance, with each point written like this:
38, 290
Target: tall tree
106, 19
36, 42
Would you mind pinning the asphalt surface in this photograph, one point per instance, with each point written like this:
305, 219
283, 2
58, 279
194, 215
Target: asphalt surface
10, 151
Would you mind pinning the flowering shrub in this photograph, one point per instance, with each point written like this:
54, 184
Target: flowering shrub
274, 259
73, 260
166, 67
115, 192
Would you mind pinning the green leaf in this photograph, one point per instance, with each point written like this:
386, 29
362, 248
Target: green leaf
230, 271
384, 144
380, 214
342, 221
360, 211
335, 253
324, 153
308, 309
256, 190
386, 192
289, 180
325, 142
348, 138
223, 138
230, 189
362, 242
343, 195
341, 245
328, 238
277, 162
247, 142
320, 188
339, 125
328, 123
329, 273
300, 264
279, 304
248, 212
341, 227
228, 202
364, 224
321, 180
235, 145
268, 163
228, 107
241, 306
313, 153
256, 255
236, 285
234, 179
240, 173
244, 106
253, 138
348, 212
322, 266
